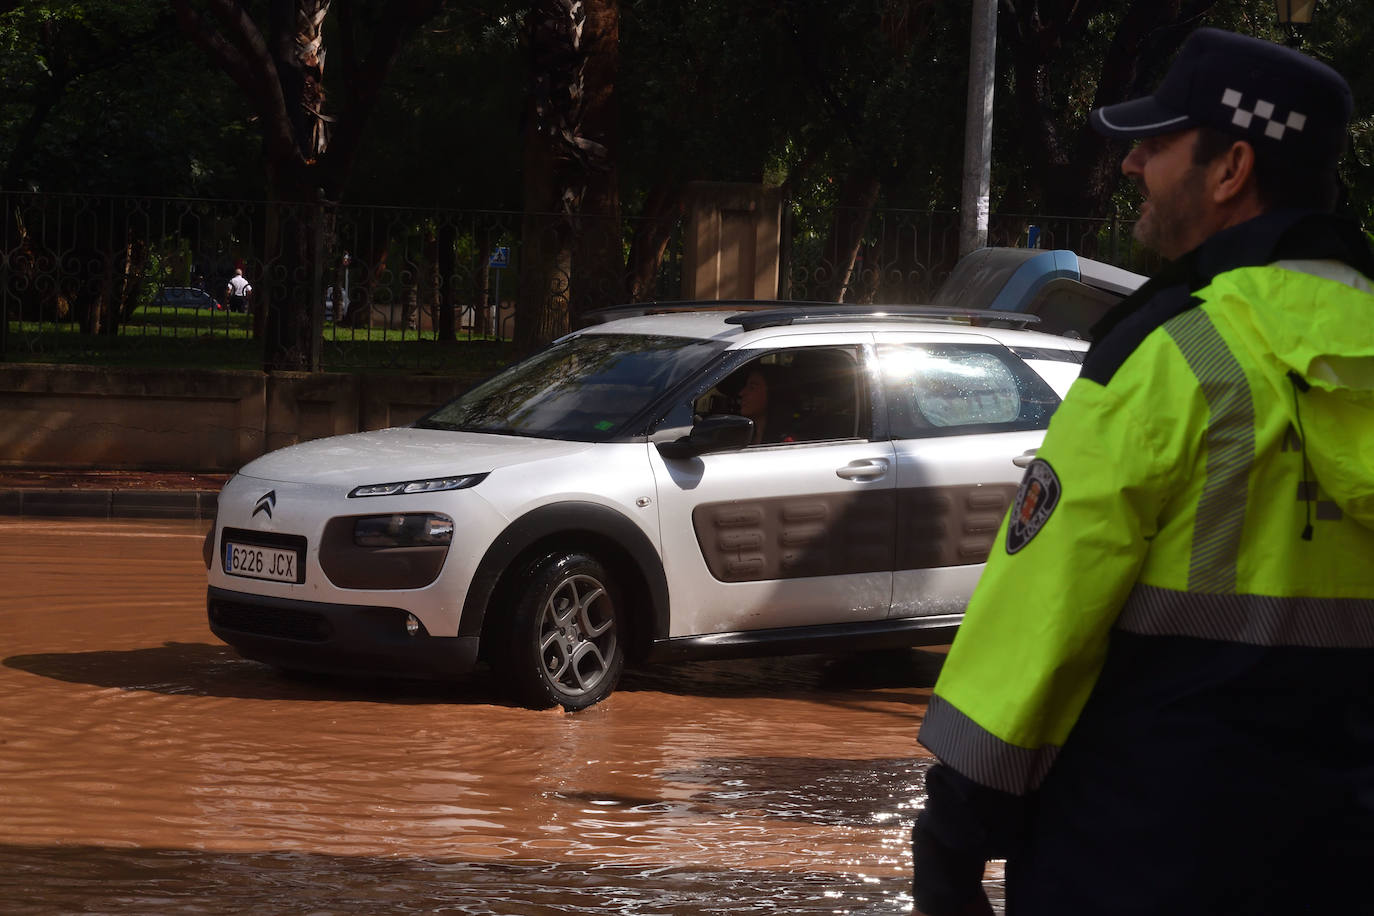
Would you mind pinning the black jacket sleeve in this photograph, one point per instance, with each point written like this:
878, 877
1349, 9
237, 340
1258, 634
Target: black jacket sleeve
962, 825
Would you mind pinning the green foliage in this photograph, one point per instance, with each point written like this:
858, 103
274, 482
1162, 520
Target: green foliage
108, 96
447, 131
117, 101
1342, 34
685, 65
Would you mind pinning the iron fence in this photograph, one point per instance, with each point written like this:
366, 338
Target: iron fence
143, 281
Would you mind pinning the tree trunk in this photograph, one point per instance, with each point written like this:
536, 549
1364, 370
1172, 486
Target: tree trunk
541, 312
598, 257
281, 299
282, 75
483, 300
297, 51
369, 268
553, 187
135, 270
659, 220
447, 267
87, 258
858, 193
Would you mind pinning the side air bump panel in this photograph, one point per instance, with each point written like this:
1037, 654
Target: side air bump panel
796, 537
949, 526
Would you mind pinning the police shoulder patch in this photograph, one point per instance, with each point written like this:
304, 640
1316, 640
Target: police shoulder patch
1035, 500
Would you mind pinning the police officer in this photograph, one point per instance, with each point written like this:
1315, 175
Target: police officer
1161, 699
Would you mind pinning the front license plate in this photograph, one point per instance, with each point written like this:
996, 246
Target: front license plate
254, 562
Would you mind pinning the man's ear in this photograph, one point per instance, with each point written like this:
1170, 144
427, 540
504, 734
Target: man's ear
1232, 172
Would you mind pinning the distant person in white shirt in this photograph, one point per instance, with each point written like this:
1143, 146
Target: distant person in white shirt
238, 292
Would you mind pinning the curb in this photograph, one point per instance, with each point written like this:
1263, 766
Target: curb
28, 502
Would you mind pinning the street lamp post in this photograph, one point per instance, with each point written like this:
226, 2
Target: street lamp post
1293, 15
982, 74
343, 300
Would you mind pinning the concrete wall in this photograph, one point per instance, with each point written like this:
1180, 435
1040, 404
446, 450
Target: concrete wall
78, 417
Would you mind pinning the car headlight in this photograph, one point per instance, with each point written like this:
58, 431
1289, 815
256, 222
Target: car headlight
403, 530
431, 485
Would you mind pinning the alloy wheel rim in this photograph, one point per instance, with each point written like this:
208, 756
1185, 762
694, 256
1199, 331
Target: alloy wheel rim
577, 635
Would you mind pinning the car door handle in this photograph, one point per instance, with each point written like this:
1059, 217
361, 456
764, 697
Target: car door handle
1025, 458
864, 469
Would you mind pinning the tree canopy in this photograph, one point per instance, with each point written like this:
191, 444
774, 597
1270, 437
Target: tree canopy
590, 112
428, 99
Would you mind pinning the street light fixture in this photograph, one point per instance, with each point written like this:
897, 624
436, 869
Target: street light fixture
1293, 15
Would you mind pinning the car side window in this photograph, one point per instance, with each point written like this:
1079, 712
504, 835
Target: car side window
806, 394
953, 390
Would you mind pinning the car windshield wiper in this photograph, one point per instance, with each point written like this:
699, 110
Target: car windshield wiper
490, 430
450, 427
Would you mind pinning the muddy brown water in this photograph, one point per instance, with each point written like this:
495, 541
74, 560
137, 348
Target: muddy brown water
146, 768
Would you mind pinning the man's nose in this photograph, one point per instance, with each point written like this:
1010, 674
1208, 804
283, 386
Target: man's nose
1134, 163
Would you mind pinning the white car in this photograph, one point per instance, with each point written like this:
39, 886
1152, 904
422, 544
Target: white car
624, 494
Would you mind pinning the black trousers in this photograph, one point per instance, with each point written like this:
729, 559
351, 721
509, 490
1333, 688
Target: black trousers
1211, 779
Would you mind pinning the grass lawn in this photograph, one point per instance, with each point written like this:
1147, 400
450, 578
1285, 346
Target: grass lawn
167, 337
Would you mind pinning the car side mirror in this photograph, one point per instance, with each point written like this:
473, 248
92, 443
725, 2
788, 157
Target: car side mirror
716, 433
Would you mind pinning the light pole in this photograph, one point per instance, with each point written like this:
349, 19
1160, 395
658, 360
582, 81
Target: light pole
982, 72
343, 300
1293, 15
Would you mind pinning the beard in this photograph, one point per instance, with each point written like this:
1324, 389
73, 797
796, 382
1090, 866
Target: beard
1169, 220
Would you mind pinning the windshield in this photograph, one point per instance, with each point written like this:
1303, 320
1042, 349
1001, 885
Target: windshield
583, 388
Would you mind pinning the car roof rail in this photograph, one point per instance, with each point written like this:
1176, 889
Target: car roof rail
764, 313
776, 317
662, 307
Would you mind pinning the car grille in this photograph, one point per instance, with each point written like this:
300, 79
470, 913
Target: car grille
305, 626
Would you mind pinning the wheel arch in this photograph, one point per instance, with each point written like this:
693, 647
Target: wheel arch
615, 540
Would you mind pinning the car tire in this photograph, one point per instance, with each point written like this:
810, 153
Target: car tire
563, 643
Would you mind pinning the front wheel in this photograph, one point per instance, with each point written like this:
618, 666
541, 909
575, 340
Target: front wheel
563, 645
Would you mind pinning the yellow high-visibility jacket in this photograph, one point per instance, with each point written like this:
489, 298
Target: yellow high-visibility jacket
1186, 579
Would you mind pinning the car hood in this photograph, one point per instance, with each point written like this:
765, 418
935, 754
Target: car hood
389, 455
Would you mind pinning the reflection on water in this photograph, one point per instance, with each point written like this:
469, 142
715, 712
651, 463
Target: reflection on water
144, 768
143, 881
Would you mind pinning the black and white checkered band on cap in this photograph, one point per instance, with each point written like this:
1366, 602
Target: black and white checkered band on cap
1274, 97
1261, 116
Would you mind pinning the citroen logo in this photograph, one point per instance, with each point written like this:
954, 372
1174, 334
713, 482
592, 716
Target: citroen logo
265, 503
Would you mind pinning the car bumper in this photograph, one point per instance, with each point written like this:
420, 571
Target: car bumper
334, 638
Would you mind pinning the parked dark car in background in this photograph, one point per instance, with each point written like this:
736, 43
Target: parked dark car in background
186, 297
1068, 293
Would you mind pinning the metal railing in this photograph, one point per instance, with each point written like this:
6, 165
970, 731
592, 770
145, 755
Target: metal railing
142, 281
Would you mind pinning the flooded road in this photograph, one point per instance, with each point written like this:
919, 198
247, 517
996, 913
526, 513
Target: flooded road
145, 768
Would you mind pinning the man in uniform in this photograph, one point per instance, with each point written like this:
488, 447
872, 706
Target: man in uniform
1161, 700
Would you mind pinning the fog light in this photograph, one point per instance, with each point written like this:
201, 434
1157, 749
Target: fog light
413, 627
403, 530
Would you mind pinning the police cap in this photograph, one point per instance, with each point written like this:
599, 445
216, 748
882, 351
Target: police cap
1276, 98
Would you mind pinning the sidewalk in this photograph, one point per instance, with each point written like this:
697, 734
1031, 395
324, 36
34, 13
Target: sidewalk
109, 494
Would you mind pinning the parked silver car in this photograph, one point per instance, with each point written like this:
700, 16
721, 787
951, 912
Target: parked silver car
676, 483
